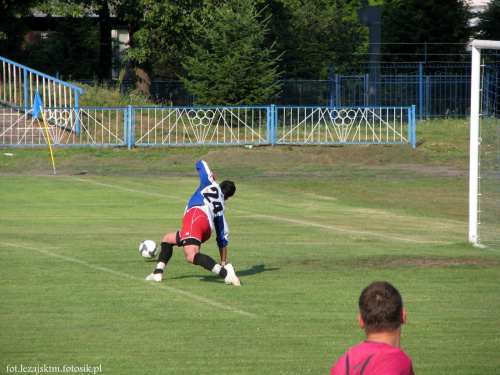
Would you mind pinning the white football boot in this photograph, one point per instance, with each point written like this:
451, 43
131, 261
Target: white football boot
231, 278
155, 277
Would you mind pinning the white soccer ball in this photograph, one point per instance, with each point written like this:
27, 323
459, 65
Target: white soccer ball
148, 249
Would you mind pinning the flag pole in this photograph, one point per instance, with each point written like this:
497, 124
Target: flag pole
48, 140
38, 110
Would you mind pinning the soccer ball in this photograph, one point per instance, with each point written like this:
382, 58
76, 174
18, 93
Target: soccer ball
148, 249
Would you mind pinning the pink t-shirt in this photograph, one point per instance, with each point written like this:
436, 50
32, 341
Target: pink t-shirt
373, 358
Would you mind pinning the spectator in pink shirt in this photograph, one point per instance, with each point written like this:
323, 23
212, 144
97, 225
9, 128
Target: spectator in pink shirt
381, 315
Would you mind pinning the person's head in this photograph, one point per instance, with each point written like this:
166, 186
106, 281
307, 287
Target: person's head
381, 308
228, 188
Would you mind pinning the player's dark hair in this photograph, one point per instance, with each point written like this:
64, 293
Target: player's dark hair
228, 188
381, 307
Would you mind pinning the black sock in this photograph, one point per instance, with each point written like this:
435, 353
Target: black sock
204, 261
166, 252
223, 273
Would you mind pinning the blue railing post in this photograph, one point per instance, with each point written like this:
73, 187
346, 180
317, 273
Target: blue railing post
130, 126
332, 87
420, 89
30, 83
27, 104
413, 126
272, 123
77, 112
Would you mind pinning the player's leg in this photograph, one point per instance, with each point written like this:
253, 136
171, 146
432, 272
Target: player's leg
199, 232
195, 231
193, 255
167, 249
166, 252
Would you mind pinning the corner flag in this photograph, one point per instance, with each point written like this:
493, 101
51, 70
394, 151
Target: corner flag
35, 112
37, 105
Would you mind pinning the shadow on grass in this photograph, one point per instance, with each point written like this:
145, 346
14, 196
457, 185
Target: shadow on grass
241, 273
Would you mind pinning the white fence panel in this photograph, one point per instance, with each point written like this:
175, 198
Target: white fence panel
197, 126
322, 125
176, 126
66, 126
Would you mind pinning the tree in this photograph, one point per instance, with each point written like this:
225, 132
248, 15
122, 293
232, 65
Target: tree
313, 34
72, 51
308, 34
488, 27
408, 24
162, 34
105, 46
327, 35
14, 25
230, 64
76, 14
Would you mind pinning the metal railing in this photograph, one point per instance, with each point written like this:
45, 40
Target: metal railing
19, 83
66, 127
201, 125
181, 126
350, 125
436, 90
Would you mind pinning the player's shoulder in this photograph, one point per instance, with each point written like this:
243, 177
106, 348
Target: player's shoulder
377, 358
392, 360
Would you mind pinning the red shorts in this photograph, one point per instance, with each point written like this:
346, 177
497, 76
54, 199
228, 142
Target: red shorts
195, 228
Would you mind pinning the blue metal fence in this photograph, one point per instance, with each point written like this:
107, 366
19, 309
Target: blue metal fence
66, 126
180, 126
18, 84
436, 91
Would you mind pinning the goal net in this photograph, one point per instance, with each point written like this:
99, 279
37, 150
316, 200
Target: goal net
484, 176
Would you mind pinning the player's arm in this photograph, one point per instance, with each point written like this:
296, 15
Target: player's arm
223, 255
206, 175
222, 232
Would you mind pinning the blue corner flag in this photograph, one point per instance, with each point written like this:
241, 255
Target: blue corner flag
37, 103
35, 112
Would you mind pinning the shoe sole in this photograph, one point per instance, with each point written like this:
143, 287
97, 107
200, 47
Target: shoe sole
154, 278
234, 281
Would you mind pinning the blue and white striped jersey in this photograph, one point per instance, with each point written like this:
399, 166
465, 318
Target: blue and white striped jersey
211, 200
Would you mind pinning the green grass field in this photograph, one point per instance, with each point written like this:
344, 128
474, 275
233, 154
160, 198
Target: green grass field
310, 228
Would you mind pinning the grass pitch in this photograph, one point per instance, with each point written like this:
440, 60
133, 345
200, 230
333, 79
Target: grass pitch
310, 228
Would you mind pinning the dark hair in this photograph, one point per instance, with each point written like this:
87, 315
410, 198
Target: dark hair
381, 307
228, 189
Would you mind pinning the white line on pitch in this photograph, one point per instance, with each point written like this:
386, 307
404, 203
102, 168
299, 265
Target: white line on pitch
295, 221
124, 188
339, 229
127, 276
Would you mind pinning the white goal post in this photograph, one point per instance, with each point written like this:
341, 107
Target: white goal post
484, 151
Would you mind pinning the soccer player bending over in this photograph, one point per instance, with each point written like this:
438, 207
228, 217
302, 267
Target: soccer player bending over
204, 213
381, 315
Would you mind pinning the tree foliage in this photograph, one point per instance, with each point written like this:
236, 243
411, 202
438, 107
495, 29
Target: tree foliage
99, 9
227, 50
162, 35
230, 64
80, 45
14, 24
408, 24
314, 34
71, 51
488, 27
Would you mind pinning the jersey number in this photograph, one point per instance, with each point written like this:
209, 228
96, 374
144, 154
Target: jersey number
212, 199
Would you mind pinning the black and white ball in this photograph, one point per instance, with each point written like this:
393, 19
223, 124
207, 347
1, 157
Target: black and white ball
148, 249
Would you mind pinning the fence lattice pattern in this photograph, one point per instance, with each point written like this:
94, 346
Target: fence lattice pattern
134, 126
